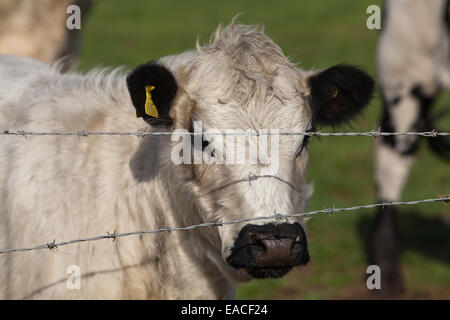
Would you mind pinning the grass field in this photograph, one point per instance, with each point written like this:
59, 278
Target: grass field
316, 34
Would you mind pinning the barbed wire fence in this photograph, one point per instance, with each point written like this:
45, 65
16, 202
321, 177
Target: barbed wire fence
429, 134
277, 216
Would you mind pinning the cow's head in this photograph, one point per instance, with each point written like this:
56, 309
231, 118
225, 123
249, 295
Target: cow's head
242, 81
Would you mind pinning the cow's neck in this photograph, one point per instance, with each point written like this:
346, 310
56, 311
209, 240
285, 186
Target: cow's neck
192, 257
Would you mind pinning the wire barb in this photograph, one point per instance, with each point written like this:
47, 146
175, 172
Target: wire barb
329, 211
112, 235
218, 224
52, 245
278, 217
251, 177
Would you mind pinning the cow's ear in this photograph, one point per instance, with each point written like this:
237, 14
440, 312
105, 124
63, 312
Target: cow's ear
338, 94
152, 88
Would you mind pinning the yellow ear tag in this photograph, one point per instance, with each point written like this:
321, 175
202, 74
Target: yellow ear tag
150, 107
335, 93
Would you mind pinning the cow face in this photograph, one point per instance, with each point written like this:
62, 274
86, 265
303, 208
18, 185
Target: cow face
239, 83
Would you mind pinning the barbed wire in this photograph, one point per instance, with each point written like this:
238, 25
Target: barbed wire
430, 134
53, 245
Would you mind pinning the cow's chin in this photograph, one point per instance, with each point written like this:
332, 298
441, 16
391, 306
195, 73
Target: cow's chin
248, 273
262, 273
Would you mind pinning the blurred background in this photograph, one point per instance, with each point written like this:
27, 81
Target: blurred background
314, 34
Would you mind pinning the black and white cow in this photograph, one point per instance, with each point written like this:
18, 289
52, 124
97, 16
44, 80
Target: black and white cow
413, 66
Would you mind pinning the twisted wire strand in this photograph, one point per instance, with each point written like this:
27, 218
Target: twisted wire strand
430, 134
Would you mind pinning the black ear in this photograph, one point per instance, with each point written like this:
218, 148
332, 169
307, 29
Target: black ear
154, 85
339, 93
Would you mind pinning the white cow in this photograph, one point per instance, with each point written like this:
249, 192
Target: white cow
70, 187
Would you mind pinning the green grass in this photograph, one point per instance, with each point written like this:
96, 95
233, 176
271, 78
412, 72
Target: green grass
316, 34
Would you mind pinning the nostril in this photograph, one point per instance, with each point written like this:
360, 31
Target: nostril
257, 241
275, 240
254, 237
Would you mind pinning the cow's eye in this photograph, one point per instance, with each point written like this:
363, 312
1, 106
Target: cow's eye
205, 142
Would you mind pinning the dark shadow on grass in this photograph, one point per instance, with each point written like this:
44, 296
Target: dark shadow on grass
429, 236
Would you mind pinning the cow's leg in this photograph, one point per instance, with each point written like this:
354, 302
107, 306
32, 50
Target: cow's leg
405, 109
